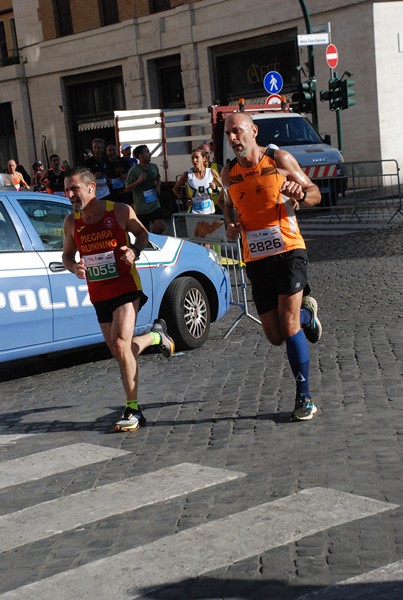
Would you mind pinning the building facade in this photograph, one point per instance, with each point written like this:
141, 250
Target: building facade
67, 65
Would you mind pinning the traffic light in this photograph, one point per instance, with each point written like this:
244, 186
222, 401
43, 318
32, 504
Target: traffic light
335, 93
304, 96
347, 91
340, 93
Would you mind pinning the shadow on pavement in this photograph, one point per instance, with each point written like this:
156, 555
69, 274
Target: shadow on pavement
46, 363
207, 588
16, 422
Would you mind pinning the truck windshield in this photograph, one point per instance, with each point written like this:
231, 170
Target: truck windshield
286, 131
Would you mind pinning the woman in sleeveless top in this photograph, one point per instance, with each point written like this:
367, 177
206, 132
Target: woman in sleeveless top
198, 183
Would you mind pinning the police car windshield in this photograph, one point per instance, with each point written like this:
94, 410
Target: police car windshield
286, 131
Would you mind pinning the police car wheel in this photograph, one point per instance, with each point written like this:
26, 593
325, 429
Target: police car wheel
186, 310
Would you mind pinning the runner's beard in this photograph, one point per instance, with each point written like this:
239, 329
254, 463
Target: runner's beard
241, 153
77, 206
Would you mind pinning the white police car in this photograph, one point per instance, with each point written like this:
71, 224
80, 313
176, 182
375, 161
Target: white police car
44, 308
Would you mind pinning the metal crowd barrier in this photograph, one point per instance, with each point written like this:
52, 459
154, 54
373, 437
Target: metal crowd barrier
363, 190
209, 230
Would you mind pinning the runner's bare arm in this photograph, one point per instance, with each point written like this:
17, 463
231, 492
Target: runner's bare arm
216, 178
70, 250
180, 182
298, 186
24, 183
128, 220
230, 213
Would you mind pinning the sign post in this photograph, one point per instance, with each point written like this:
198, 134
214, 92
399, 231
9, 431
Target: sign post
332, 59
311, 62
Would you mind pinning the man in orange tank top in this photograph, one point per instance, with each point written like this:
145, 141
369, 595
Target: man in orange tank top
99, 230
263, 187
16, 176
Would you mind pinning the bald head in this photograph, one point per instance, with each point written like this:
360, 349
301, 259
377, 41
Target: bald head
239, 117
241, 134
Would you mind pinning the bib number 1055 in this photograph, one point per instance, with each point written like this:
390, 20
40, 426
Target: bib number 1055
97, 273
101, 266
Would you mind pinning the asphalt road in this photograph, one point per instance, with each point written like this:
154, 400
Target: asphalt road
220, 496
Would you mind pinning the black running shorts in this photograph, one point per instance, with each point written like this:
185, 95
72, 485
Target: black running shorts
285, 273
106, 308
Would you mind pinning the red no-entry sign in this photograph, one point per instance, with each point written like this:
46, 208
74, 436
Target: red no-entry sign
332, 56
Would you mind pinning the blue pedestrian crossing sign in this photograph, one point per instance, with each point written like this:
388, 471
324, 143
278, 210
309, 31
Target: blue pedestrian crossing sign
273, 82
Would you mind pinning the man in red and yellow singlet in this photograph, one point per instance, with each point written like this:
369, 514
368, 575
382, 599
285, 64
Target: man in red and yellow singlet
262, 189
99, 230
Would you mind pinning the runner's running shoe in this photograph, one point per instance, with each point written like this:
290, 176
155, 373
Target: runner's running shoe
313, 331
167, 345
130, 420
304, 408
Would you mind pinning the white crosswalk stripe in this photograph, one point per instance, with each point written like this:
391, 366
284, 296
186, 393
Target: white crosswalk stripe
365, 586
50, 462
56, 516
201, 549
7, 440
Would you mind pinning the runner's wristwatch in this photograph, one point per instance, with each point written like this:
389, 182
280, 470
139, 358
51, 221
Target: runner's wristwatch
136, 249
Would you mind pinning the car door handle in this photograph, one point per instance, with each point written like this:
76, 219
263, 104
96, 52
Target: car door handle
57, 267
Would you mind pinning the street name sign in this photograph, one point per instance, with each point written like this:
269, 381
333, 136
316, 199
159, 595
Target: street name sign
313, 39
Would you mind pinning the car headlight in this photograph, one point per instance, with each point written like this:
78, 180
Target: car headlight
213, 256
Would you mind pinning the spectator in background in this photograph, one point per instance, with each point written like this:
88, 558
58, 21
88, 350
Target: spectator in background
116, 170
126, 150
37, 170
97, 165
16, 176
53, 177
200, 183
144, 181
215, 168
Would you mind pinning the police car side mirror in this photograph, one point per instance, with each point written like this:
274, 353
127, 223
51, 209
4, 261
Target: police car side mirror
327, 139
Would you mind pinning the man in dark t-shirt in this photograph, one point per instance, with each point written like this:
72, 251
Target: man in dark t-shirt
97, 165
116, 170
144, 181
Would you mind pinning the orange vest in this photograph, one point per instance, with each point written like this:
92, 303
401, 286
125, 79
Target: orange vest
269, 224
99, 245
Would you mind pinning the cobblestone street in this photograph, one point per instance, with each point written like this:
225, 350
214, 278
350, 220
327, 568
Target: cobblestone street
278, 510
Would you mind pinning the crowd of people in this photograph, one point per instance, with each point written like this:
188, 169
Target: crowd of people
130, 177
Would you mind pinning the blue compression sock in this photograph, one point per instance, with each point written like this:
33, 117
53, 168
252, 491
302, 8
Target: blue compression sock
298, 356
305, 316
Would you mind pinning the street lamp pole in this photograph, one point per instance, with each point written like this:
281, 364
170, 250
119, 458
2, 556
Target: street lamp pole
311, 63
